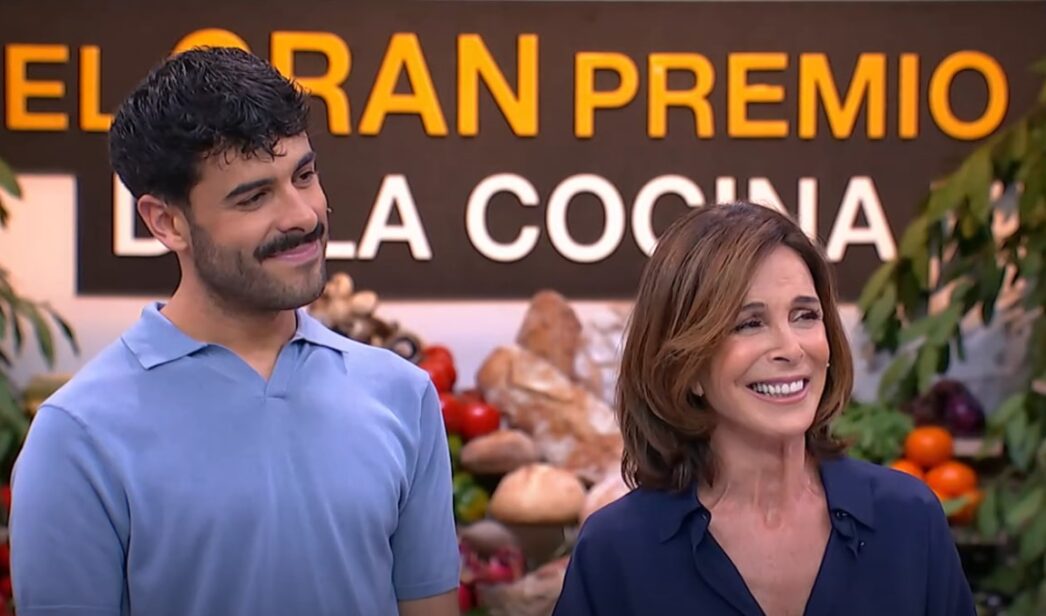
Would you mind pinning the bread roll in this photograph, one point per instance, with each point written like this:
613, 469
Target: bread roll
499, 452
538, 494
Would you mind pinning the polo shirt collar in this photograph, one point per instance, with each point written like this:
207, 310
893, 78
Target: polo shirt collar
154, 340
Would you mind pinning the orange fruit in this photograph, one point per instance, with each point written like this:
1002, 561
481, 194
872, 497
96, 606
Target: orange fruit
929, 446
967, 513
940, 497
952, 478
907, 466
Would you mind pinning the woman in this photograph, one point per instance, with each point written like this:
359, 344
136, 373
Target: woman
735, 364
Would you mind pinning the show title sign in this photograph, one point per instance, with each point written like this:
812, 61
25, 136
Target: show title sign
487, 150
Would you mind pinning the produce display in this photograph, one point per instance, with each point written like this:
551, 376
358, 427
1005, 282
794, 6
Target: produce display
929, 455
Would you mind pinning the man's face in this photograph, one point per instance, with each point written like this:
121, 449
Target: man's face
259, 227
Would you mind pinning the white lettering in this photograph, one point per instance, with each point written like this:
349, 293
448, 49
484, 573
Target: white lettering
476, 218
613, 226
395, 193
643, 208
861, 196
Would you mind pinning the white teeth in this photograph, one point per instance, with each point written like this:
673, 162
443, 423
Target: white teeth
784, 389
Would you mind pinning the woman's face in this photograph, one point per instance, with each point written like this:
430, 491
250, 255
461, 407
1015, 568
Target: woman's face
766, 379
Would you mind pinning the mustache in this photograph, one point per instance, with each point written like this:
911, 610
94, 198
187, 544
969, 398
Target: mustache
289, 241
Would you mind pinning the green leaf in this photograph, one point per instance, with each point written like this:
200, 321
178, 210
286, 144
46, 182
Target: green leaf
1006, 411
8, 181
66, 329
954, 505
44, 338
899, 367
915, 238
976, 174
992, 280
919, 328
988, 514
882, 310
945, 324
875, 285
921, 268
1026, 508
945, 197
926, 365
1033, 540
7, 443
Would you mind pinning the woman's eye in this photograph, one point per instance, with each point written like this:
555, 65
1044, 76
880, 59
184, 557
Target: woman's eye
749, 324
810, 315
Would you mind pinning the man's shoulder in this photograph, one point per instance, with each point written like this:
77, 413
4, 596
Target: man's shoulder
108, 374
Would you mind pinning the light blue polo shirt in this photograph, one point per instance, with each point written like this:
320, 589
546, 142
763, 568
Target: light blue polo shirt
169, 478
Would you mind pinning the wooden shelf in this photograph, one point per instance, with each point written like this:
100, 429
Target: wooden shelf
971, 447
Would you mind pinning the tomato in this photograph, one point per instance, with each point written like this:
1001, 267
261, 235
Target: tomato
453, 412
438, 353
928, 446
907, 466
479, 418
952, 478
465, 599
442, 374
5, 496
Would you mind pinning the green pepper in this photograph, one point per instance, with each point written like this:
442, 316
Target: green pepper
470, 504
455, 443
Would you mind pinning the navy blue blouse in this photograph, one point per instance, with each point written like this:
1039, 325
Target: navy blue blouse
889, 552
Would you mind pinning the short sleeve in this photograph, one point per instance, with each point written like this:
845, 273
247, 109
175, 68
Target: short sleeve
69, 523
426, 560
949, 591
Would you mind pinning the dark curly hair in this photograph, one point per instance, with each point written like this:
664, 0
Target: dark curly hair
691, 291
200, 103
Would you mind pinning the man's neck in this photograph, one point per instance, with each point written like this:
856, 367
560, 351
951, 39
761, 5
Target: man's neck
247, 333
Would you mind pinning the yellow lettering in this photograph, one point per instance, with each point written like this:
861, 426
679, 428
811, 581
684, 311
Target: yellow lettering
741, 94
326, 86
404, 53
817, 83
696, 98
91, 117
209, 37
940, 91
908, 97
587, 99
20, 89
475, 62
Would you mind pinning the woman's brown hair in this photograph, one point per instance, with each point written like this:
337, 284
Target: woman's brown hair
689, 296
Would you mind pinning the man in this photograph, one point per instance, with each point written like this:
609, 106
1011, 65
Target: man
229, 455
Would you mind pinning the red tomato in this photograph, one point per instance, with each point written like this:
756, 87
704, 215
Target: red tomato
5, 586
5, 496
453, 412
465, 599
479, 418
438, 352
5, 556
442, 374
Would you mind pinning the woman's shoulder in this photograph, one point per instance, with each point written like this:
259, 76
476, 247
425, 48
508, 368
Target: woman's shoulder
641, 513
887, 491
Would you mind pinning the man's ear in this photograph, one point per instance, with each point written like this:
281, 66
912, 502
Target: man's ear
166, 221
